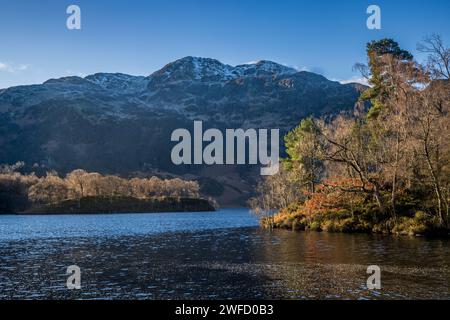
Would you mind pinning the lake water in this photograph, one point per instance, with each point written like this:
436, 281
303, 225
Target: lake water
220, 255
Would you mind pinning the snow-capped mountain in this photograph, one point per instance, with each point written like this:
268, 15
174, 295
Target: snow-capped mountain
113, 122
211, 70
194, 69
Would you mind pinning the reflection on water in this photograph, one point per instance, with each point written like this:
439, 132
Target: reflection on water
189, 263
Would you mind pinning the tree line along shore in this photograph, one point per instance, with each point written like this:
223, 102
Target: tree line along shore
90, 192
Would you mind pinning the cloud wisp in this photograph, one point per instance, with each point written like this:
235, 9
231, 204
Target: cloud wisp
12, 68
360, 80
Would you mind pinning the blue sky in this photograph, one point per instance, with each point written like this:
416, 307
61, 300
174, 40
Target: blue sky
139, 37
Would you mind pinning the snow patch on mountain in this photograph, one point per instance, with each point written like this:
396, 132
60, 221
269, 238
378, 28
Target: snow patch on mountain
206, 69
263, 67
119, 81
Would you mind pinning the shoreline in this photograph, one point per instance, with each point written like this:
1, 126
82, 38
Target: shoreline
338, 226
378, 234
120, 205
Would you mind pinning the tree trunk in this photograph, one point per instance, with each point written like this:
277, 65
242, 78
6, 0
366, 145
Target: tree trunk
437, 187
379, 199
394, 178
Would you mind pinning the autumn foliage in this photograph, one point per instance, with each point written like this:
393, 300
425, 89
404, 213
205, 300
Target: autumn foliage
19, 191
385, 167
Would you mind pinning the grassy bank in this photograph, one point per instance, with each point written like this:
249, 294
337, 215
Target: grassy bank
370, 220
122, 204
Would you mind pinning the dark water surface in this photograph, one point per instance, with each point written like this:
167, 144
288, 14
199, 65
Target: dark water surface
221, 255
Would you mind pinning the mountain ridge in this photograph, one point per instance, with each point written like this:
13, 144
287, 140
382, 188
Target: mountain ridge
121, 124
244, 69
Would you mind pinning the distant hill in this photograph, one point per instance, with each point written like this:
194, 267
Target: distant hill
118, 123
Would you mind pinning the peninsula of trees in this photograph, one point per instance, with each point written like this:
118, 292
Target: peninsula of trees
89, 192
385, 168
